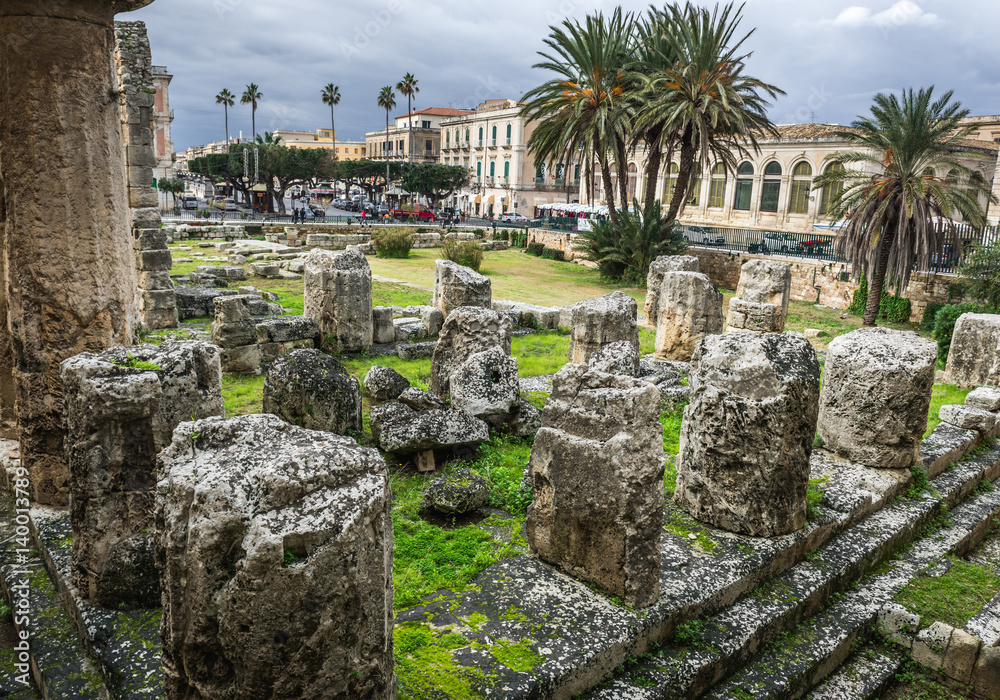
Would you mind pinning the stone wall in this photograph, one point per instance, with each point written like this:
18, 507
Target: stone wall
553, 239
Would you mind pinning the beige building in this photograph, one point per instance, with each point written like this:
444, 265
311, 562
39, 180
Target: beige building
426, 136
345, 150
772, 189
163, 115
491, 143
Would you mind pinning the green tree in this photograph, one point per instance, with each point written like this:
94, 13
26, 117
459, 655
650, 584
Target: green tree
387, 100
407, 87
703, 98
434, 181
890, 193
251, 96
369, 175
226, 99
980, 274
331, 96
173, 186
588, 100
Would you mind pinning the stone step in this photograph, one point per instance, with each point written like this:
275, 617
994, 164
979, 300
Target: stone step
59, 664
125, 643
866, 675
986, 623
792, 665
713, 647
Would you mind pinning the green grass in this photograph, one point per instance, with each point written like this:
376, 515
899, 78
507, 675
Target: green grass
540, 353
243, 394
952, 598
417, 371
390, 294
942, 395
671, 422
916, 682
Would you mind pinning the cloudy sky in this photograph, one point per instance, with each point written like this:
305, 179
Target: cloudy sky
830, 56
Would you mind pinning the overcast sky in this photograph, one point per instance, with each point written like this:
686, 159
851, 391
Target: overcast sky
830, 56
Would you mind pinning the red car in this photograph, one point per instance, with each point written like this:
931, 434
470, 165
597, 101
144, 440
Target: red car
419, 215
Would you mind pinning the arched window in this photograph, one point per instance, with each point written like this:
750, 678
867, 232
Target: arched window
771, 189
670, 184
717, 191
467, 137
508, 134
576, 172
952, 178
801, 185
694, 194
744, 186
831, 192
480, 136
494, 136
493, 168
447, 138
633, 177
479, 170
506, 171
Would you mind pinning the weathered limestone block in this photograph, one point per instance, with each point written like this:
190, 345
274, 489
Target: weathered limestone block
420, 400
654, 280
931, 644
433, 319
974, 357
761, 301
456, 286
245, 359
616, 358
310, 389
876, 394
747, 434
458, 493
408, 329
384, 383
968, 418
985, 397
986, 674
530, 315
274, 546
338, 296
960, 659
383, 330
466, 331
897, 624
399, 429
690, 309
602, 321
486, 384
286, 329
597, 474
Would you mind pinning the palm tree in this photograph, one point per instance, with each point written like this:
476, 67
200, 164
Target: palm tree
387, 100
704, 100
226, 99
407, 87
331, 96
252, 96
589, 100
891, 194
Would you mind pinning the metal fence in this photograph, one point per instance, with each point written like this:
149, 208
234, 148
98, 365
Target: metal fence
956, 242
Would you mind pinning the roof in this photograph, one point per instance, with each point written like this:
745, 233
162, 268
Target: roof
439, 112
794, 132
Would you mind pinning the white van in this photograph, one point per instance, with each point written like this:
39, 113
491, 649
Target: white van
190, 202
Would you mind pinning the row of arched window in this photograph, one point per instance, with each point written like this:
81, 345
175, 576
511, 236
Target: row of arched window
468, 132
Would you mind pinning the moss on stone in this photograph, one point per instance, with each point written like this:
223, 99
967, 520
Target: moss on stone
425, 669
517, 656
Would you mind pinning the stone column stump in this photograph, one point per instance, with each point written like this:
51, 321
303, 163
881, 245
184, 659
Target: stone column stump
467, 330
761, 301
597, 472
690, 309
235, 332
747, 434
974, 357
274, 546
659, 267
456, 286
876, 395
602, 321
338, 296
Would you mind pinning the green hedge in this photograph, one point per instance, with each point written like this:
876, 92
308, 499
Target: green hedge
927, 322
536, 248
519, 240
503, 235
944, 324
891, 308
553, 254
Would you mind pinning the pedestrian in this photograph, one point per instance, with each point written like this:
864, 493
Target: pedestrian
364, 217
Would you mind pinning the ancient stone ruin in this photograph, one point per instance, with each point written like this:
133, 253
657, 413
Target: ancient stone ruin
456, 286
690, 308
761, 301
235, 332
274, 548
602, 321
876, 395
310, 389
747, 434
597, 474
486, 384
974, 357
338, 296
467, 331
659, 267
121, 409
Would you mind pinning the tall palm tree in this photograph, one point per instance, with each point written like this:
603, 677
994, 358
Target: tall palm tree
407, 87
331, 96
252, 96
387, 100
226, 99
589, 98
890, 192
705, 100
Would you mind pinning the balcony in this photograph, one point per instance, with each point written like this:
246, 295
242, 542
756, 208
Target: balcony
493, 143
507, 143
479, 144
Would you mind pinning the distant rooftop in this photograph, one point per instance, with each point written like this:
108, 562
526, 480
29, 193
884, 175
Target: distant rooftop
438, 112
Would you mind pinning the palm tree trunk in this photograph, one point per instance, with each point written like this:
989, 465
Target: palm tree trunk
683, 176
622, 165
226, 110
652, 167
253, 122
385, 197
333, 133
878, 279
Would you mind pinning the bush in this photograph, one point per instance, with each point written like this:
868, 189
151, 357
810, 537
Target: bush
478, 233
392, 242
927, 322
501, 235
944, 325
553, 254
891, 308
980, 275
536, 248
519, 240
624, 248
467, 253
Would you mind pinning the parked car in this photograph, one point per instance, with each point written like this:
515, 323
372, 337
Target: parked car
514, 217
775, 242
701, 235
190, 202
231, 205
425, 216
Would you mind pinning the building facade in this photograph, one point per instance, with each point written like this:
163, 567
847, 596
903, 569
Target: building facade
491, 142
426, 135
344, 150
163, 115
772, 189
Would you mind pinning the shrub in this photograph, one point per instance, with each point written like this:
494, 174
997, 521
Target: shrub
478, 233
394, 242
519, 240
467, 253
980, 275
625, 247
927, 322
536, 248
895, 309
944, 325
501, 235
553, 254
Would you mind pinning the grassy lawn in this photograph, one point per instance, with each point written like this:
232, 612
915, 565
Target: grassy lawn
953, 598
